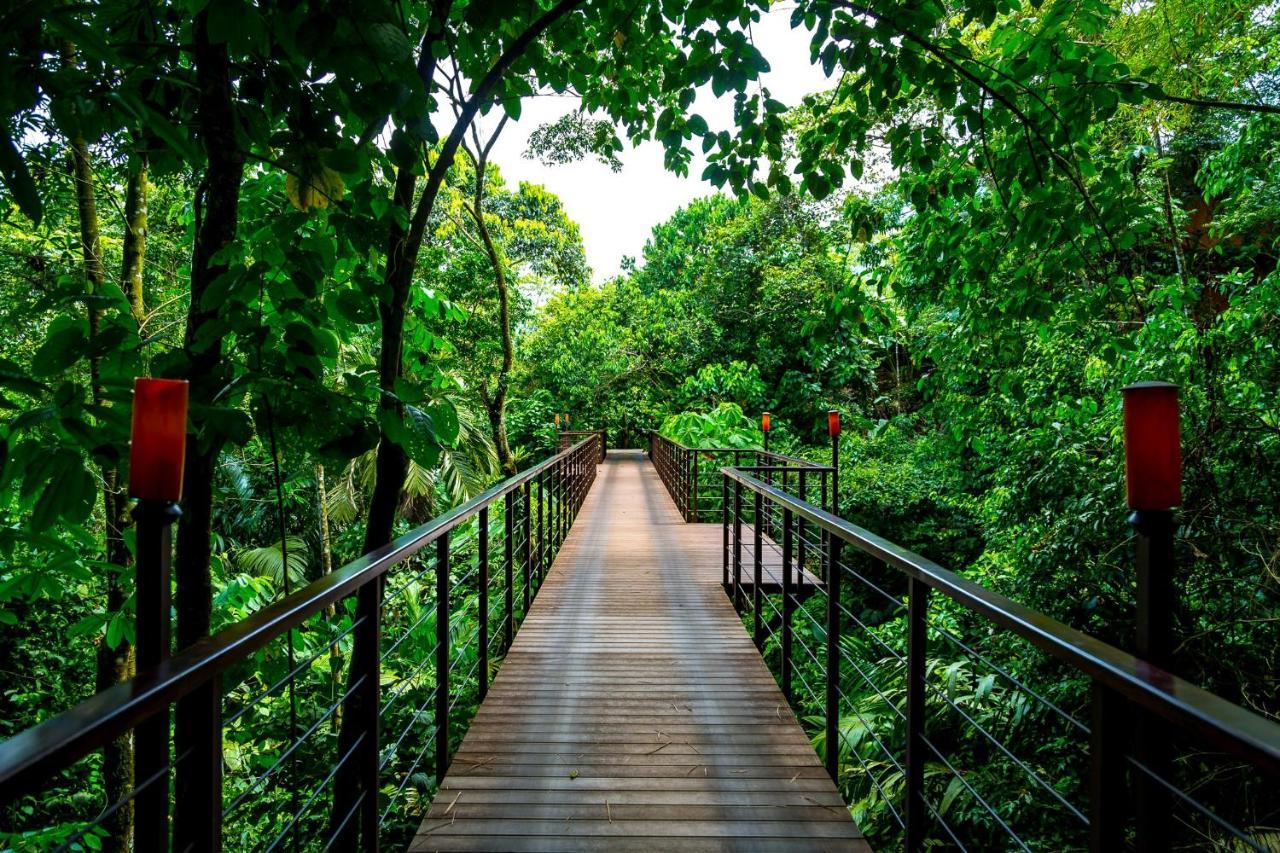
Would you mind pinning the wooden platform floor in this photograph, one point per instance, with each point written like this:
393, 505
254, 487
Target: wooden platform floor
633, 711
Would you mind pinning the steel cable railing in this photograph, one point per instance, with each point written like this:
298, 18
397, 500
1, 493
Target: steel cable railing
402, 641
929, 698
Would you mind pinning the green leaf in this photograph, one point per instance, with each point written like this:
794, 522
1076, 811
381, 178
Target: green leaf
62, 347
950, 794
13, 376
415, 432
68, 492
18, 179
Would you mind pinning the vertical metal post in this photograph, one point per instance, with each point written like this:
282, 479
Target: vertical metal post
832, 718
737, 545
542, 528
724, 533
788, 601
688, 484
1107, 796
151, 738
442, 656
917, 623
508, 572
1156, 602
554, 507
482, 581
697, 499
835, 475
366, 668
527, 513
801, 493
757, 595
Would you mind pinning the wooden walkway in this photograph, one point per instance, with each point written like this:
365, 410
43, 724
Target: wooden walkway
633, 711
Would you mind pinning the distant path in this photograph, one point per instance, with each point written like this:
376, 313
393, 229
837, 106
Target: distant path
633, 711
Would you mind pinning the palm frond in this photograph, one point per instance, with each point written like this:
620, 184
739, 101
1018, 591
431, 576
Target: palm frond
342, 500
268, 561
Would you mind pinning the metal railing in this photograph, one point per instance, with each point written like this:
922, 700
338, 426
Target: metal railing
569, 437
327, 718
692, 474
951, 714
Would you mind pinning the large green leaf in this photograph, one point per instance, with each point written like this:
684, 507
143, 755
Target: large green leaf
18, 179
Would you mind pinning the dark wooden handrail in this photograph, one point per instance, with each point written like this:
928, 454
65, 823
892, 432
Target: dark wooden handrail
31, 756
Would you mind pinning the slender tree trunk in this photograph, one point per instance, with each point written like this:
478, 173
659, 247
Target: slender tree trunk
391, 463
113, 665
496, 403
135, 237
1175, 240
402, 258
330, 612
217, 207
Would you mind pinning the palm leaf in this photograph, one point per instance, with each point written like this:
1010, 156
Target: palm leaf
268, 561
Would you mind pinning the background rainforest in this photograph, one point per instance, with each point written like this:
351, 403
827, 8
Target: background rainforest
998, 215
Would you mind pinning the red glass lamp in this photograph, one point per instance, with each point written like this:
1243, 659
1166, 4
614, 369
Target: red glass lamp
158, 439
764, 422
1152, 446
833, 423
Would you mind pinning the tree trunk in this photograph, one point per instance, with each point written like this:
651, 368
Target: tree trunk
217, 206
391, 464
496, 403
135, 237
330, 612
112, 665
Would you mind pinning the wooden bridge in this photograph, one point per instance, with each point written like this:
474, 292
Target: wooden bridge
633, 711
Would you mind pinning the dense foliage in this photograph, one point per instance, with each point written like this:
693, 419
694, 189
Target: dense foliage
998, 215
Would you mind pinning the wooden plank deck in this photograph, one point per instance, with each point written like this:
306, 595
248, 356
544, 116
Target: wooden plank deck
633, 711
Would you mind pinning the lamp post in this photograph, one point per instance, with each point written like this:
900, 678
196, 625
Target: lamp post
1153, 478
765, 426
157, 449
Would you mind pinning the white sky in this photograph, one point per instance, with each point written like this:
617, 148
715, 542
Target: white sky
616, 210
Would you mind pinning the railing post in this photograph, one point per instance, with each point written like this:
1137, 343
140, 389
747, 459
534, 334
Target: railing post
757, 595
686, 484
693, 491
442, 656
542, 528
154, 538
1107, 795
508, 571
366, 667
527, 513
482, 581
832, 720
724, 532
737, 545
788, 599
917, 638
801, 483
